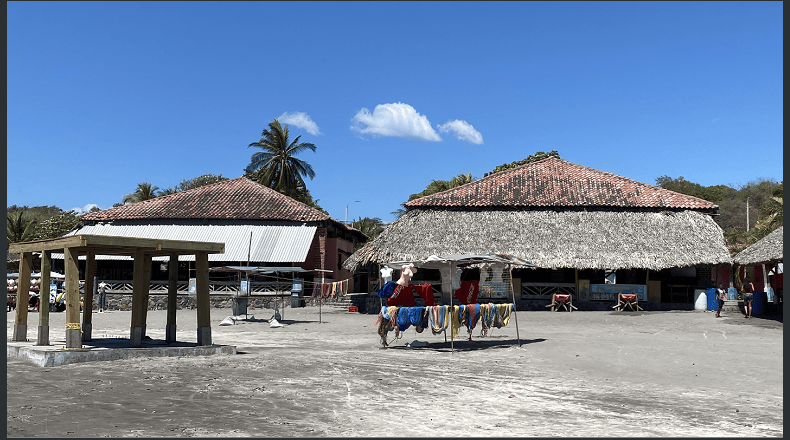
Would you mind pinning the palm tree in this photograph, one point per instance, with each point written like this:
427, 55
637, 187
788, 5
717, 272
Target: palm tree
19, 229
144, 191
276, 166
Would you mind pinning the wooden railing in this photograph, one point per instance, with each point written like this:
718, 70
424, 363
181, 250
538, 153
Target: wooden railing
545, 290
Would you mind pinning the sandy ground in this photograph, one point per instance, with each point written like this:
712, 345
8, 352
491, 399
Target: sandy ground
585, 374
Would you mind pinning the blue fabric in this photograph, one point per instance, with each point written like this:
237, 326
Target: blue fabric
384, 313
403, 318
415, 315
387, 289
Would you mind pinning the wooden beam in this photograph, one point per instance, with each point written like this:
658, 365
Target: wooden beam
203, 301
136, 331
147, 288
87, 311
73, 330
172, 298
43, 300
22, 292
105, 244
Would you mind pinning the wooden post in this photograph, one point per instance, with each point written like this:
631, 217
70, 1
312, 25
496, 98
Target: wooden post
203, 301
146, 291
43, 300
22, 292
452, 314
515, 315
172, 299
138, 284
73, 331
87, 310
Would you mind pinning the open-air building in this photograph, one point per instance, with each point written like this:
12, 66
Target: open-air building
589, 233
767, 258
259, 226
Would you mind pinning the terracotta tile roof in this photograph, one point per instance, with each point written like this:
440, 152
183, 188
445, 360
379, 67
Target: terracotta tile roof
235, 199
555, 182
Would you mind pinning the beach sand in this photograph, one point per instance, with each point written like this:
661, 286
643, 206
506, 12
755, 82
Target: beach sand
587, 374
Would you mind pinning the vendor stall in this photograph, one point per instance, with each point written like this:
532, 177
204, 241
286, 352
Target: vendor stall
400, 313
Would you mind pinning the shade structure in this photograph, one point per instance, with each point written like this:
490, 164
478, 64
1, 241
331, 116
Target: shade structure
769, 249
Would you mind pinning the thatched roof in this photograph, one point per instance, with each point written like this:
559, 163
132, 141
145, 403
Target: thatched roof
571, 238
768, 250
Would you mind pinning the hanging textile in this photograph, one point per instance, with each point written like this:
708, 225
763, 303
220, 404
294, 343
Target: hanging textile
470, 317
326, 290
401, 296
455, 321
488, 314
468, 292
438, 318
503, 312
426, 293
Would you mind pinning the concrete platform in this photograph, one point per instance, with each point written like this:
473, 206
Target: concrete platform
108, 350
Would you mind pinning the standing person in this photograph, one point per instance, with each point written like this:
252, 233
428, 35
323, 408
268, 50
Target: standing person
721, 294
102, 295
748, 296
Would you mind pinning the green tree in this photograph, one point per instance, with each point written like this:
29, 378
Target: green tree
534, 158
434, 187
19, 229
57, 225
205, 179
277, 165
144, 191
371, 227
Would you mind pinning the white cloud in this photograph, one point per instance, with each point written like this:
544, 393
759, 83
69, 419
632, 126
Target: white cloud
394, 120
301, 120
463, 131
85, 209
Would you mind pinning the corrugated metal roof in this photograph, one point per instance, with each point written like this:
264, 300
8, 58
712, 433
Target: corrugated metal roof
271, 244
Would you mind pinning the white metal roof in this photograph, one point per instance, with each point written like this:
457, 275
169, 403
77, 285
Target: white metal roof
272, 244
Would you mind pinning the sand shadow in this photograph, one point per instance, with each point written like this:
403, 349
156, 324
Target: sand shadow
462, 345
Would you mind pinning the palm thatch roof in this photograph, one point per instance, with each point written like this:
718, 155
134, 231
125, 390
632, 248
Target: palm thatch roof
767, 250
550, 238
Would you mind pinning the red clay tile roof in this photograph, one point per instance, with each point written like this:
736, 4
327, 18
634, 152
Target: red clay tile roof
235, 199
555, 182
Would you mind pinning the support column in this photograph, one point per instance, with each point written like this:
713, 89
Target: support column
146, 290
203, 302
73, 331
22, 293
43, 300
138, 284
87, 308
172, 298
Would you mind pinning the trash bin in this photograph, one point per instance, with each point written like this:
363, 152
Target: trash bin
702, 299
239, 306
759, 301
713, 302
732, 293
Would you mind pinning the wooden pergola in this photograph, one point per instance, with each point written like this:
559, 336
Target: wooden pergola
141, 250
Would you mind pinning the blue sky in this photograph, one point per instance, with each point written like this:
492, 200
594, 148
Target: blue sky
105, 95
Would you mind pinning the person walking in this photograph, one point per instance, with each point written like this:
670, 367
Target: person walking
748, 296
721, 294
